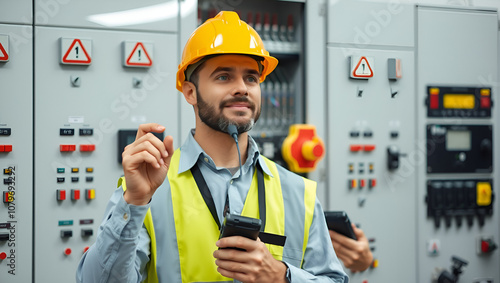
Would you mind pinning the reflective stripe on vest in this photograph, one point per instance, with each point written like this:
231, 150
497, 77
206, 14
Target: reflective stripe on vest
196, 230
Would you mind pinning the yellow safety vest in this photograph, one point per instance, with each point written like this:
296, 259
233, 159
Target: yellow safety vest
197, 231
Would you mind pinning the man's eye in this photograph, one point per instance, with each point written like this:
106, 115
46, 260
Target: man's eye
252, 79
222, 78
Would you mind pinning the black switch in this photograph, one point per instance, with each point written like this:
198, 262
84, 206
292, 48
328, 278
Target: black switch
66, 132
66, 233
4, 236
5, 131
393, 157
87, 232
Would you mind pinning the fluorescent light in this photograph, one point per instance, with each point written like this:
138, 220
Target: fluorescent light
138, 16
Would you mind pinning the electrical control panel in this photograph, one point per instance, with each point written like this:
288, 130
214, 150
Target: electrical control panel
16, 154
90, 85
412, 136
458, 122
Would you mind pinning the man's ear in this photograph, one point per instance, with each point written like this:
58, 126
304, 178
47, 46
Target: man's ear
189, 91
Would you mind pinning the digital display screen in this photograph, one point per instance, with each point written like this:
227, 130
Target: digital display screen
459, 101
458, 140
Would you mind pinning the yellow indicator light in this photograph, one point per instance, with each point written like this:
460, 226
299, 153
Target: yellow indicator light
485, 92
458, 101
434, 91
74, 170
374, 263
90, 169
483, 196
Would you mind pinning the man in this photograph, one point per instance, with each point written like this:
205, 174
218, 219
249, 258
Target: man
162, 224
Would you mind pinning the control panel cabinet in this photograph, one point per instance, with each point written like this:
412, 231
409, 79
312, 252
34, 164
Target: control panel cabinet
90, 84
16, 152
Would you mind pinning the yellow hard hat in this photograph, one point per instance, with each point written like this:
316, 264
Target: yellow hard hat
224, 34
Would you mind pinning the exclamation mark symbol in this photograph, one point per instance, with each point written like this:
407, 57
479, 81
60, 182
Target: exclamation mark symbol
139, 54
76, 49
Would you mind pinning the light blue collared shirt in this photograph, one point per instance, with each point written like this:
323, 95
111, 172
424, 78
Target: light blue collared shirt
122, 246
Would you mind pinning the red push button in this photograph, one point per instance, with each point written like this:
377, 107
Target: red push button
67, 147
485, 102
75, 194
434, 101
87, 147
86, 249
362, 183
3, 256
67, 251
369, 147
356, 147
61, 194
5, 147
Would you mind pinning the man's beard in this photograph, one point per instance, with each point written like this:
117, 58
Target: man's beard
219, 122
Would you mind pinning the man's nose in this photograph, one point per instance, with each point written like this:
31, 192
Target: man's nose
240, 86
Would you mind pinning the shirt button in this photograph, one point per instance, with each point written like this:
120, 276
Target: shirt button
125, 216
206, 159
231, 182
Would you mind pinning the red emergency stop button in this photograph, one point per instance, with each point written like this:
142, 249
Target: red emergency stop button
67, 251
302, 149
312, 150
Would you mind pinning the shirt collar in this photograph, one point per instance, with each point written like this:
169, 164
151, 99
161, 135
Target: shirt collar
191, 151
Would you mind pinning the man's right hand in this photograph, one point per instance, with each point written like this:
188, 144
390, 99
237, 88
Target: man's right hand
145, 163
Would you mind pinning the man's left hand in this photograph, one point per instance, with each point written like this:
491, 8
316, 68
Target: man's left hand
254, 264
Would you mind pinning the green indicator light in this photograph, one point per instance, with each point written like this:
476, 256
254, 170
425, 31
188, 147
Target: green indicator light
65, 222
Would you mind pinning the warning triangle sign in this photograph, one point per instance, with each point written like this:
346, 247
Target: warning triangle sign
362, 69
139, 56
4, 56
76, 54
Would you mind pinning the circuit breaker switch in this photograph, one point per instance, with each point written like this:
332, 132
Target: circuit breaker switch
353, 183
90, 194
483, 193
61, 194
8, 197
75, 194
362, 183
372, 183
